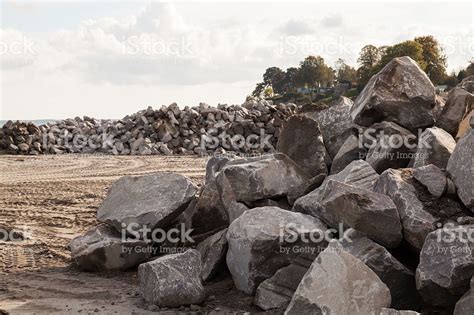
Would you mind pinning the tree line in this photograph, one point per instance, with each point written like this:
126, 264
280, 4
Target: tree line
313, 72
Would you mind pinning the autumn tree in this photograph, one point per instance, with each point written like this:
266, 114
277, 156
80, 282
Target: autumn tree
369, 58
434, 58
344, 72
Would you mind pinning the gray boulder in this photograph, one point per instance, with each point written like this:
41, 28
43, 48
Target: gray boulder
435, 146
401, 92
391, 311
172, 280
336, 203
335, 123
151, 200
467, 84
432, 178
392, 148
339, 283
358, 173
465, 305
102, 249
398, 278
301, 140
276, 292
461, 167
446, 265
213, 251
208, 214
351, 150
459, 102
419, 211
263, 240
244, 181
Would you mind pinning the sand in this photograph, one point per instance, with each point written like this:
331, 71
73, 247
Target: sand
55, 198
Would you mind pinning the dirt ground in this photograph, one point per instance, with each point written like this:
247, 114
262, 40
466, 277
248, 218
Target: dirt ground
52, 199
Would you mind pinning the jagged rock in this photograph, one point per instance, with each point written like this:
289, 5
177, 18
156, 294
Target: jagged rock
153, 200
102, 248
401, 92
398, 278
358, 173
213, 250
467, 84
208, 214
391, 311
465, 305
262, 240
339, 283
309, 151
432, 178
446, 265
172, 280
460, 168
351, 150
458, 104
247, 180
335, 123
392, 148
337, 203
439, 105
435, 146
464, 126
276, 292
419, 211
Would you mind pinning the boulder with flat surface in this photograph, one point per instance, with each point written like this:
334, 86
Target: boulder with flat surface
435, 146
301, 140
263, 240
461, 169
433, 178
339, 283
351, 150
102, 249
398, 278
465, 305
401, 92
172, 280
458, 104
151, 201
446, 265
213, 251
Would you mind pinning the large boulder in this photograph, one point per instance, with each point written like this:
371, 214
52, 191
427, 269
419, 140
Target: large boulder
419, 211
435, 146
433, 178
213, 251
102, 249
446, 265
172, 280
151, 201
358, 173
389, 146
465, 125
398, 278
461, 169
336, 203
351, 150
301, 139
467, 84
244, 181
465, 305
401, 92
458, 104
208, 214
339, 283
276, 292
263, 240
335, 123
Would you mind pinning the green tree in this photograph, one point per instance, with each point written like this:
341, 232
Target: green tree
369, 57
470, 69
275, 77
434, 58
451, 80
259, 89
407, 48
344, 72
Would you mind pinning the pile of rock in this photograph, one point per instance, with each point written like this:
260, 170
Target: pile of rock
252, 127
376, 235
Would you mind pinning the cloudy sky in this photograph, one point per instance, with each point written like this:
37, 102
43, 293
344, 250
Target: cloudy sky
109, 58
